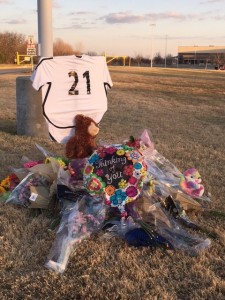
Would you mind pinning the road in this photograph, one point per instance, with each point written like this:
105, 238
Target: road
7, 69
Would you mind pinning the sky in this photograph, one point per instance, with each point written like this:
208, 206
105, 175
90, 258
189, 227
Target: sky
123, 27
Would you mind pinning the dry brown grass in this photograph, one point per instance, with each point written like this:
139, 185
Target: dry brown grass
185, 112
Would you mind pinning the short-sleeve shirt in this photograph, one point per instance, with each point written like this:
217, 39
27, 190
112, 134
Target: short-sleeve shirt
71, 85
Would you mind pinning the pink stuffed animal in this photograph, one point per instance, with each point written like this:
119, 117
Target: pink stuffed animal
190, 183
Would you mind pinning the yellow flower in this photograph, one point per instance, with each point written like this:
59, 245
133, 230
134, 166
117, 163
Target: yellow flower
2, 190
122, 184
129, 200
143, 173
47, 160
151, 187
61, 162
5, 182
120, 152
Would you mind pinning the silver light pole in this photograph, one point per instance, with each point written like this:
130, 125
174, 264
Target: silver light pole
152, 26
165, 49
45, 42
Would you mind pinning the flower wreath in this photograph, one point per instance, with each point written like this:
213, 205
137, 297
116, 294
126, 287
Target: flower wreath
117, 171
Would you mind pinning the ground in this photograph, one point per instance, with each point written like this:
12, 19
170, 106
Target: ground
184, 111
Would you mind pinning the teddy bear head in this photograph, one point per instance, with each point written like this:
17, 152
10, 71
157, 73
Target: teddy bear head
83, 143
84, 123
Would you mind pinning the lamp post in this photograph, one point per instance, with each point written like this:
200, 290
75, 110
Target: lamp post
195, 58
152, 26
45, 27
165, 48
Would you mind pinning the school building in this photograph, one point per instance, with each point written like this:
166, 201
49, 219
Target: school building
200, 54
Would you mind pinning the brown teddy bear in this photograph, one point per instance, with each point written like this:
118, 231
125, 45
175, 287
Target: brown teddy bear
83, 143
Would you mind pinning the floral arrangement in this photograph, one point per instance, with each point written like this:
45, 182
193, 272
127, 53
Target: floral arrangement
8, 184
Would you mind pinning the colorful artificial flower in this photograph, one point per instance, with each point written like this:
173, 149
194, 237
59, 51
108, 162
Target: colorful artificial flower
101, 152
143, 172
132, 180
129, 200
134, 156
122, 184
94, 157
138, 166
110, 190
99, 172
128, 170
118, 198
88, 170
120, 152
131, 191
110, 150
96, 184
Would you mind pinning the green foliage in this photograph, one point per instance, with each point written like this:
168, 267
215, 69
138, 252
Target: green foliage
10, 43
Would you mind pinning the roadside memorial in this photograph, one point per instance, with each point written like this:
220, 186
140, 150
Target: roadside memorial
128, 190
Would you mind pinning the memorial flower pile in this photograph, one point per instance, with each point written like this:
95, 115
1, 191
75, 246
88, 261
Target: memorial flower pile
128, 189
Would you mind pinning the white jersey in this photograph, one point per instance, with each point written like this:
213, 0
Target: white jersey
71, 85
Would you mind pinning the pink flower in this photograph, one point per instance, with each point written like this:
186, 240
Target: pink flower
99, 172
128, 170
132, 180
131, 191
30, 164
111, 150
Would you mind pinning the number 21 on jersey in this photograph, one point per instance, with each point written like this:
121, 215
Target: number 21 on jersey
73, 90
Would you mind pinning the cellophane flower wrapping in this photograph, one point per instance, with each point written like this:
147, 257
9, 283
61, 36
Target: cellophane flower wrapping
21, 193
167, 226
80, 219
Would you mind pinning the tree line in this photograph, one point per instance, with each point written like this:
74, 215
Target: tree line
12, 42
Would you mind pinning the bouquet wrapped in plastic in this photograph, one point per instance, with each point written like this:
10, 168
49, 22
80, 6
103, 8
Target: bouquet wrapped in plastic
80, 219
36, 180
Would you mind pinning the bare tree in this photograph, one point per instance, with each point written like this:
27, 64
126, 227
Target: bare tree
158, 60
218, 58
169, 59
10, 43
61, 48
138, 59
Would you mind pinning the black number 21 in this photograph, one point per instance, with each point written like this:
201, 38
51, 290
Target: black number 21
73, 90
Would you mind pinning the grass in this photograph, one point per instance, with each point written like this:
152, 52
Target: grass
185, 113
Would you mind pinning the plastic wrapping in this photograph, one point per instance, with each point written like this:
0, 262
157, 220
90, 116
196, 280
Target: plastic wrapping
79, 220
45, 152
118, 227
166, 225
22, 194
162, 169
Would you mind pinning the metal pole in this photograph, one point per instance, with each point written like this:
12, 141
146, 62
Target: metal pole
152, 25
45, 42
165, 50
